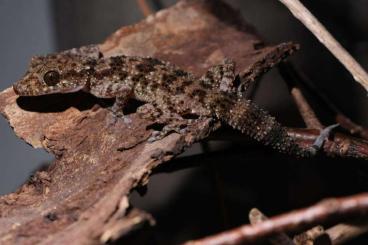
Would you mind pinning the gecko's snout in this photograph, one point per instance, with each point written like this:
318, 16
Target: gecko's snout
26, 86
20, 88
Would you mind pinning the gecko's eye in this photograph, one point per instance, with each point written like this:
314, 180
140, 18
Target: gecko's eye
51, 78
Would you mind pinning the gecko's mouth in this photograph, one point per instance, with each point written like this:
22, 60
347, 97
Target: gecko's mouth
71, 90
25, 92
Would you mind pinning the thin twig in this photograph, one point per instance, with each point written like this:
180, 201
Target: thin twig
311, 22
144, 7
353, 128
257, 217
291, 74
305, 110
328, 210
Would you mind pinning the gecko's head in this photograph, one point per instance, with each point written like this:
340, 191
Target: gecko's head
54, 74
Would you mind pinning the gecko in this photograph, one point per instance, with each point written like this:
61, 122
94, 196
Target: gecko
168, 88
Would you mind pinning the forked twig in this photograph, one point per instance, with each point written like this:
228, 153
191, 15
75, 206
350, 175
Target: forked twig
293, 77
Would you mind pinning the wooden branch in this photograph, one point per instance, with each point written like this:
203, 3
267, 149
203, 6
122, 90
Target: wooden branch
82, 197
328, 210
319, 31
339, 144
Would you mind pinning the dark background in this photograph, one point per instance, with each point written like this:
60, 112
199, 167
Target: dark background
198, 201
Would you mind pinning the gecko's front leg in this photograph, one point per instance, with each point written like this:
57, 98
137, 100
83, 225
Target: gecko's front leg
121, 91
120, 102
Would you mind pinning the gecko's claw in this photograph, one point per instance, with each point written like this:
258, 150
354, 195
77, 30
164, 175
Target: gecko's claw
323, 136
118, 114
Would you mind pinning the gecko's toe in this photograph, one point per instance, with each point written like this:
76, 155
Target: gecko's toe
323, 136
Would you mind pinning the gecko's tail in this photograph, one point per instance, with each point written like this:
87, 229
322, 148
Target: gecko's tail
247, 117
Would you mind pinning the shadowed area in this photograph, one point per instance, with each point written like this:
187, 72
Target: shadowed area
61, 102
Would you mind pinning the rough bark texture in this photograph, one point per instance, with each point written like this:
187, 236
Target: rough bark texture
83, 197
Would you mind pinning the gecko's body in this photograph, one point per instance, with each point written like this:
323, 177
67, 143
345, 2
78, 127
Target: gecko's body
168, 88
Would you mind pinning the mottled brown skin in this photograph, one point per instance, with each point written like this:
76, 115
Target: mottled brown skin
168, 88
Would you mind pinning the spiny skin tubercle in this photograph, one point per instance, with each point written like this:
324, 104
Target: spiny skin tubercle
161, 84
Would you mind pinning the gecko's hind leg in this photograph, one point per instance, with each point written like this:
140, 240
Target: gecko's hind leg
179, 127
121, 100
167, 123
221, 77
118, 106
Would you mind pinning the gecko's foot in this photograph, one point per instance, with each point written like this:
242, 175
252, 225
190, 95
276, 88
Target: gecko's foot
164, 122
175, 127
168, 123
323, 136
119, 115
